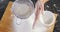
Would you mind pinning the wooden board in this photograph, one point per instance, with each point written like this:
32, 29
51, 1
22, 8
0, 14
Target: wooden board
6, 22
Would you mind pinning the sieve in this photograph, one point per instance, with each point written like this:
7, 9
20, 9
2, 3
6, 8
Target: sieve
29, 3
47, 18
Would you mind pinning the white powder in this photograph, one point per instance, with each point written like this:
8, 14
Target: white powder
22, 10
48, 17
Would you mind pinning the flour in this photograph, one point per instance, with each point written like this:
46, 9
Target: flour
48, 17
22, 10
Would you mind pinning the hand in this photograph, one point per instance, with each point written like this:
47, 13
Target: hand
39, 8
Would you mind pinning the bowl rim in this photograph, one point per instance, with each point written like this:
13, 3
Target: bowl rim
45, 23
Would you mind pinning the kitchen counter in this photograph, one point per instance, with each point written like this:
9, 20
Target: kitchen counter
6, 21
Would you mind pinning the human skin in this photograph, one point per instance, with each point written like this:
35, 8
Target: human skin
39, 8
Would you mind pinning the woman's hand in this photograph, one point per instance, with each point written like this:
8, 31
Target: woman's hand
39, 8
40, 5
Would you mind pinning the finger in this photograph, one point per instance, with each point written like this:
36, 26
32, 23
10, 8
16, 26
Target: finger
36, 13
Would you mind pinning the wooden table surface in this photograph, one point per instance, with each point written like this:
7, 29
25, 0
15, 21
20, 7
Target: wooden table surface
6, 22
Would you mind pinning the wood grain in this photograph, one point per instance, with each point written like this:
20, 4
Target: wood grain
6, 22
